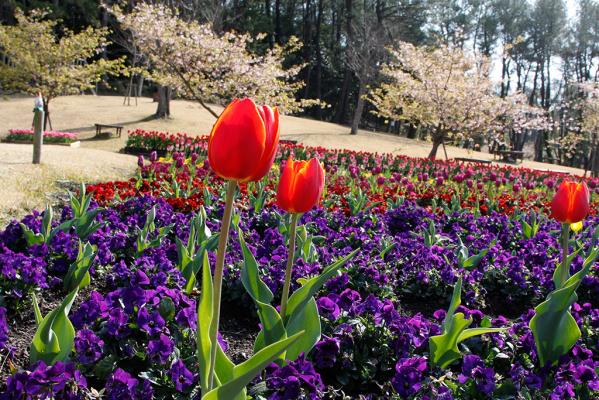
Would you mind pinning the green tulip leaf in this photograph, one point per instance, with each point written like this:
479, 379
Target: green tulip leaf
553, 327
273, 329
77, 276
307, 320
245, 372
301, 296
204, 320
54, 338
444, 348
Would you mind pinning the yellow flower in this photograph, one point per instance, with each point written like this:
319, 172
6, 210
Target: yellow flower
576, 226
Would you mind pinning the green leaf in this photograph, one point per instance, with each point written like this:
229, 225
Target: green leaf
473, 261
55, 335
77, 276
30, 237
36, 309
456, 300
468, 333
553, 327
47, 223
307, 320
250, 276
444, 348
301, 296
204, 320
272, 324
245, 372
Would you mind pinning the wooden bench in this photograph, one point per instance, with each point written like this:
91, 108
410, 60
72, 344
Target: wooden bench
472, 160
511, 156
119, 128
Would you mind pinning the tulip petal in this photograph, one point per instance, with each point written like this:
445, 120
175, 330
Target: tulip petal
571, 202
237, 141
308, 184
285, 184
270, 117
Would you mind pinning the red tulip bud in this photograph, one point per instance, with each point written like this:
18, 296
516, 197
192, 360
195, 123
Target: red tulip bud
300, 186
571, 202
243, 141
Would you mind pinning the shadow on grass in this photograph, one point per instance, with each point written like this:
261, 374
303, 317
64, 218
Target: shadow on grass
124, 123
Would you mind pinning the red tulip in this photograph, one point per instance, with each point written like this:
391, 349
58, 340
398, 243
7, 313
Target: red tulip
243, 141
300, 186
571, 202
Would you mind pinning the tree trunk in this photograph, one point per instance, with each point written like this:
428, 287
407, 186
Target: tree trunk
278, 38
359, 109
343, 98
269, 34
164, 108
140, 85
539, 146
594, 162
318, 59
438, 138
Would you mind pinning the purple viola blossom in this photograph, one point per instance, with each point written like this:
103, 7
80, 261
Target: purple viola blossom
88, 346
117, 323
563, 391
325, 352
348, 298
61, 380
152, 323
408, 377
296, 379
90, 311
3, 328
181, 376
121, 386
328, 308
187, 318
223, 343
140, 278
161, 348
474, 368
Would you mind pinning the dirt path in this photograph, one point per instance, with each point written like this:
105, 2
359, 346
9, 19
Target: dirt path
79, 113
26, 186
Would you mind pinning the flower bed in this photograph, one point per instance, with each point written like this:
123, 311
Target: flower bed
411, 222
140, 141
26, 135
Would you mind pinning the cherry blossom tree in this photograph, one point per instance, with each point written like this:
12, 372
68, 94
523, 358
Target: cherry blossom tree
207, 67
590, 123
444, 89
37, 60
448, 91
513, 118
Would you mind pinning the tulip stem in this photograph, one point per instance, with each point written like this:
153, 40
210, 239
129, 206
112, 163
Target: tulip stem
565, 270
290, 257
218, 277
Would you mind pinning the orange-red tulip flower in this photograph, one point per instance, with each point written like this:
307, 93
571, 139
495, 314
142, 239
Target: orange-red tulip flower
300, 186
571, 202
243, 141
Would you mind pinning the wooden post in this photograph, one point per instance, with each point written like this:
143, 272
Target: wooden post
38, 136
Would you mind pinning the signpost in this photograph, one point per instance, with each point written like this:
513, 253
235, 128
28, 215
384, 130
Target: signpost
38, 123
